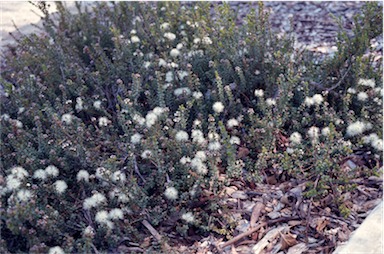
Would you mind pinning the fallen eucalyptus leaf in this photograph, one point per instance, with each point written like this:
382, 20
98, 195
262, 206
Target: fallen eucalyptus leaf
287, 240
256, 211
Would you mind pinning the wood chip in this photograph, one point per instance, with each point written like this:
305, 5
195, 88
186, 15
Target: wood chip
298, 249
239, 195
269, 237
256, 211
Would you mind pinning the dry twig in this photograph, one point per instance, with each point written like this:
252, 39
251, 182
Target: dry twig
152, 230
247, 233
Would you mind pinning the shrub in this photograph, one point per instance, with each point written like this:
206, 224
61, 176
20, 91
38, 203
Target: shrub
129, 111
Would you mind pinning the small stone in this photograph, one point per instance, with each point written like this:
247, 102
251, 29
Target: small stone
351, 164
274, 215
239, 195
242, 226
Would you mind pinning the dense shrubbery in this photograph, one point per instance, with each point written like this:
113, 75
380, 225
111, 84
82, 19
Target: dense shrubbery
134, 111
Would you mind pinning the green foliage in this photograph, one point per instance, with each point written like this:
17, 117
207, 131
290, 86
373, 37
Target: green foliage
148, 110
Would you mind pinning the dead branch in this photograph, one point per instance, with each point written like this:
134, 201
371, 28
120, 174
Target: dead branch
247, 233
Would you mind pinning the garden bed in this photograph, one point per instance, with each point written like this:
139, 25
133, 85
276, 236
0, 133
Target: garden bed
169, 128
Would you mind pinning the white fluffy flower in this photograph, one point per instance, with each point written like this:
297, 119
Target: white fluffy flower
313, 132
182, 136
185, 159
170, 36
66, 118
213, 136
188, 217
136, 138
201, 155
40, 174
98, 198
24, 195
21, 110
309, 101
79, 104
362, 96
198, 165
135, 39
102, 217
379, 90
171, 193
182, 91
325, 131
174, 52
367, 82
5, 117
196, 40
158, 111
60, 186
12, 182
17, 123
234, 140
150, 119
82, 175
89, 232
100, 172
371, 137
218, 107
356, 128
206, 40
270, 102
290, 150
173, 65
116, 214
317, 99
182, 74
123, 198
197, 136
374, 140
295, 138
351, 90
214, 146
232, 123
51, 170
259, 93
162, 62
146, 154
56, 250
103, 121
118, 176
97, 104
377, 144
94, 201
164, 26
197, 95
169, 76
19, 172
138, 119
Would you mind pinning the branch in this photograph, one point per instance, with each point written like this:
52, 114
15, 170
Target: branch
152, 230
341, 80
321, 87
247, 233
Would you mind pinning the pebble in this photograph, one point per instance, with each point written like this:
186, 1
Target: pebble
239, 195
274, 215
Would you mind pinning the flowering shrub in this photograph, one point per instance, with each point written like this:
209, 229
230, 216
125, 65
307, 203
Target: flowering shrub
134, 111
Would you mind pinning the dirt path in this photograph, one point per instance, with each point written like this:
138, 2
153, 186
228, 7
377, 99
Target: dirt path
22, 14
